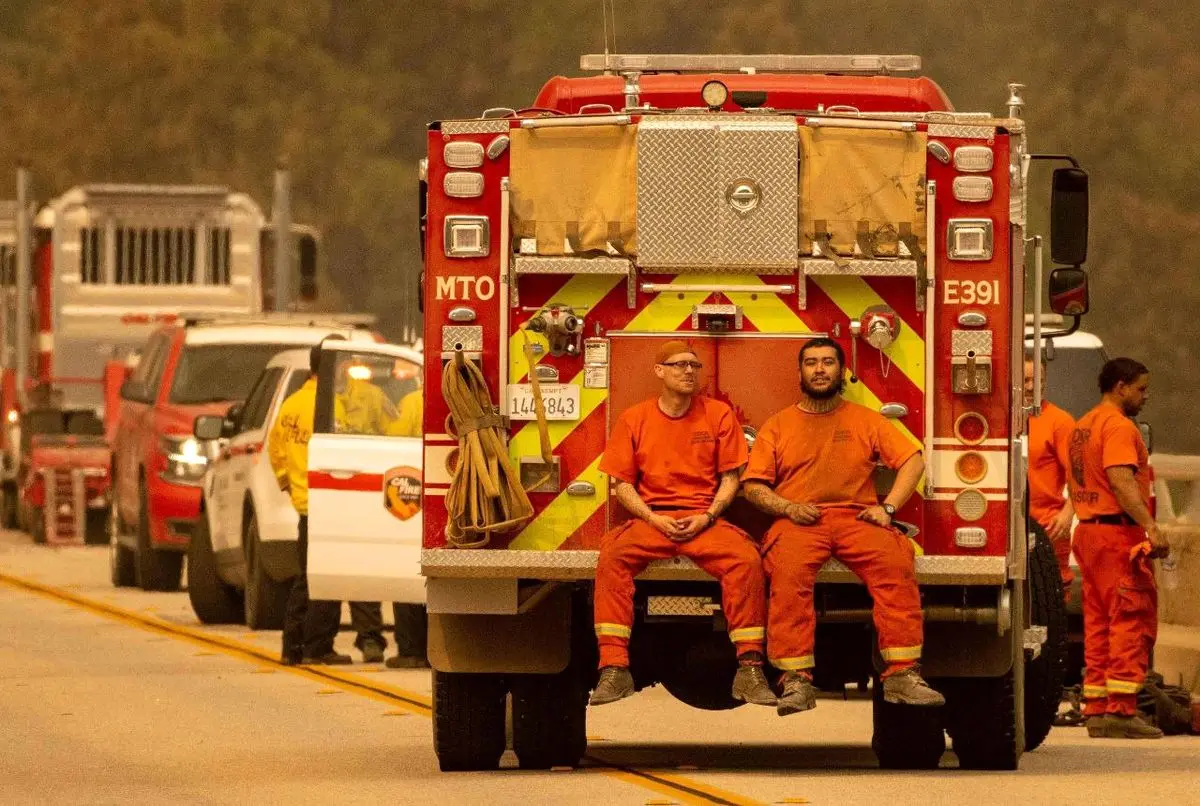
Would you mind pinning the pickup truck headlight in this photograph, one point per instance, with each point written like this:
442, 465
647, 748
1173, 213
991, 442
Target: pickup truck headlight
186, 461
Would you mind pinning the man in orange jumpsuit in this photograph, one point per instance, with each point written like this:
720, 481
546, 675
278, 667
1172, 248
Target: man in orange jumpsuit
1116, 537
812, 467
675, 459
1049, 457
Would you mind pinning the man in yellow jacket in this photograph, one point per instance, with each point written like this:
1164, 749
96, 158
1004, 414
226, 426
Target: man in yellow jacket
309, 627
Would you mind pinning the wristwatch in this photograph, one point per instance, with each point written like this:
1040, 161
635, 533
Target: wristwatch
711, 518
890, 510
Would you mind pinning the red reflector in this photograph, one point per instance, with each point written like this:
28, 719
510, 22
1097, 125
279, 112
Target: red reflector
135, 319
971, 428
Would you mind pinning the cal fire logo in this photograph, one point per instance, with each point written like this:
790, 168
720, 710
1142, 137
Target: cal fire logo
402, 492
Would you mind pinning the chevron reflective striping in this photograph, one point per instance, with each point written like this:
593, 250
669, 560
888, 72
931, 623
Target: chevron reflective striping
854, 296
580, 291
526, 441
554, 524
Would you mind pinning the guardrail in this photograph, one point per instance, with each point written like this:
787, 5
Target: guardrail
1177, 490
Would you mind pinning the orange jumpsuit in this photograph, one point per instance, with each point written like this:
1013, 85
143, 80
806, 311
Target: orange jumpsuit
675, 464
1120, 599
1049, 446
828, 460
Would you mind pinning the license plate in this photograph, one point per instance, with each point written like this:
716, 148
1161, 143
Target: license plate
560, 399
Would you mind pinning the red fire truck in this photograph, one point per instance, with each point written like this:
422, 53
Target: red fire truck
747, 203
109, 264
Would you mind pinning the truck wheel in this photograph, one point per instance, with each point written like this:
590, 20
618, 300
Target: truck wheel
8, 506
981, 718
468, 720
156, 570
265, 599
120, 559
906, 737
213, 601
1044, 675
37, 524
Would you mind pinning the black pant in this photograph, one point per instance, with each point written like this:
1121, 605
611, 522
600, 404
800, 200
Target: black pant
411, 626
309, 627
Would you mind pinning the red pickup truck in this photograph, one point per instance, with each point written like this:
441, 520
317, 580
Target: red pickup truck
188, 369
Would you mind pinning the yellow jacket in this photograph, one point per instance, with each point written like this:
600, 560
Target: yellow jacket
287, 444
363, 408
412, 415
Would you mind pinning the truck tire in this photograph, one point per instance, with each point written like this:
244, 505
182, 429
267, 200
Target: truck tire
8, 506
1044, 674
95, 527
265, 600
981, 718
468, 720
549, 719
213, 601
906, 737
156, 570
120, 559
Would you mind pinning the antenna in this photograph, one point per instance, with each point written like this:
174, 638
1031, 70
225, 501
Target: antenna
608, 9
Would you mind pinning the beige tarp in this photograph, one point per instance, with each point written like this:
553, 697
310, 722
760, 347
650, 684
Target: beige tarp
867, 179
575, 186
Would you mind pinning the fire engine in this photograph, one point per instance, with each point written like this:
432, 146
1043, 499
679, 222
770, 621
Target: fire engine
745, 203
110, 263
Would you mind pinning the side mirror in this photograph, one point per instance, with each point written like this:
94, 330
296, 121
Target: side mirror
1069, 292
1069, 217
1147, 435
208, 427
133, 390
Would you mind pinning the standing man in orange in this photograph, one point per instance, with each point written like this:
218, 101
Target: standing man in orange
675, 459
1117, 536
1049, 458
812, 468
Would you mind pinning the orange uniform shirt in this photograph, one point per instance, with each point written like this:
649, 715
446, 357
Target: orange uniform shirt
826, 459
1049, 458
675, 462
1104, 438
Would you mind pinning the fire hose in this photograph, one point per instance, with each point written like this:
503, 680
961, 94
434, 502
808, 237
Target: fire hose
485, 495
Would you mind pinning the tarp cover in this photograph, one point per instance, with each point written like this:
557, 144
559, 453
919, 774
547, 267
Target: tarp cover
848, 176
574, 189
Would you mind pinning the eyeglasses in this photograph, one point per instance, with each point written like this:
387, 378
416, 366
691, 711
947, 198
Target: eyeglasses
682, 365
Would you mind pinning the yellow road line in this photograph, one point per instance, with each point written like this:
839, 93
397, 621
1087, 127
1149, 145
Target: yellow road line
686, 790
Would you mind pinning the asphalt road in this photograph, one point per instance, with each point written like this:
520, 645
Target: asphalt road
120, 696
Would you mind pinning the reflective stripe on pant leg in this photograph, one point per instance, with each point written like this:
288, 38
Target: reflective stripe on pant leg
792, 556
883, 560
731, 557
624, 553
1133, 626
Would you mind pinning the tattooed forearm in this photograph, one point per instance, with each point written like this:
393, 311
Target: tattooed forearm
629, 498
726, 491
766, 499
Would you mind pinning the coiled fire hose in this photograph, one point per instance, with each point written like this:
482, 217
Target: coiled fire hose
485, 494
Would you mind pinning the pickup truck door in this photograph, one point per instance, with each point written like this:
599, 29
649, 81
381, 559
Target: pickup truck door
365, 477
231, 474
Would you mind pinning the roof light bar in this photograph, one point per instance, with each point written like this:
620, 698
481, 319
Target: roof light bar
735, 63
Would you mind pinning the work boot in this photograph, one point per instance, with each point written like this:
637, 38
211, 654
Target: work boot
330, 658
750, 685
1096, 727
407, 662
616, 683
907, 687
372, 652
1123, 726
798, 694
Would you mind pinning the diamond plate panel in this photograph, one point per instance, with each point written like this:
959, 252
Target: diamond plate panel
492, 563
470, 336
680, 606
491, 126
959, 130
856, 267
964, 341
688, 171
571, 265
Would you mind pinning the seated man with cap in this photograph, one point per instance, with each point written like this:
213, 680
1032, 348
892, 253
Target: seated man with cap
675, 461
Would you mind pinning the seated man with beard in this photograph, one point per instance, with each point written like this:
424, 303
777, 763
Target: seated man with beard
812, 468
